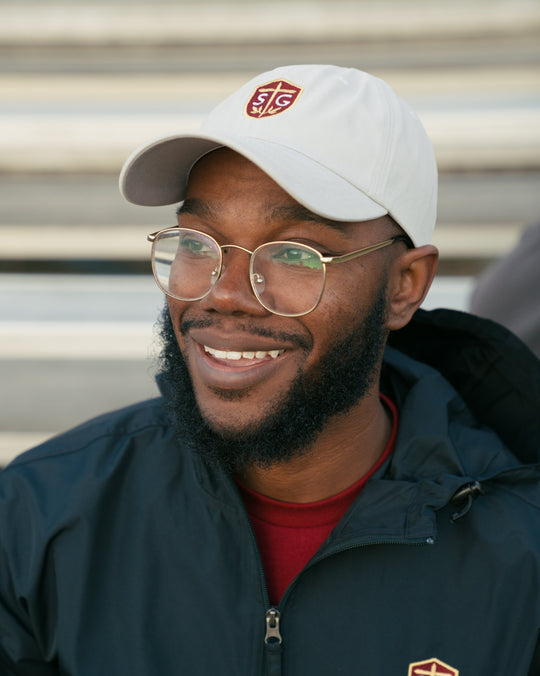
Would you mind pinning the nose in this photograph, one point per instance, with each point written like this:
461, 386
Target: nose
232, 293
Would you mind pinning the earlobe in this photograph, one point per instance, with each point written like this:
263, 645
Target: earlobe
410, 279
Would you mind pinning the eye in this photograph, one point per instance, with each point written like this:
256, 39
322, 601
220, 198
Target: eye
191, 245
297, 256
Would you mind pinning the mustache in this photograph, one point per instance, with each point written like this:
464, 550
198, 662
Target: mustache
186, 325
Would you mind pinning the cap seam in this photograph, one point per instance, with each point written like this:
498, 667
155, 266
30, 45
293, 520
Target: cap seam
382, 169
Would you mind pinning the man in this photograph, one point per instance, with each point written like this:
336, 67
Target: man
310, 495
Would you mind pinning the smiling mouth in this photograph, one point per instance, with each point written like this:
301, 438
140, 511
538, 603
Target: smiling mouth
233, 355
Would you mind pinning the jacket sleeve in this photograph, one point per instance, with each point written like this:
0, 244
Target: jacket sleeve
534, 669
21, 649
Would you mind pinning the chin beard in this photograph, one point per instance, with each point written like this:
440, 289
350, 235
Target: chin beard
331, 387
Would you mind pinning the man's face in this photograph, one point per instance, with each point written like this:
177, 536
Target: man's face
282, 359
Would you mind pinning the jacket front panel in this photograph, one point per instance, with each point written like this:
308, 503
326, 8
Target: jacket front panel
125, 554
127, 575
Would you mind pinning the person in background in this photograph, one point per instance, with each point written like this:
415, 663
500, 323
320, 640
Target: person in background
509, 290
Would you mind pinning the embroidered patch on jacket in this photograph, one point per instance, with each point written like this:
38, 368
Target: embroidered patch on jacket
272, 98
432, 667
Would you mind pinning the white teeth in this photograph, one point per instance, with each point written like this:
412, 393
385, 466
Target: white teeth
235, 356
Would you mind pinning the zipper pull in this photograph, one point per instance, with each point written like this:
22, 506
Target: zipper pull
272, 643
272, 635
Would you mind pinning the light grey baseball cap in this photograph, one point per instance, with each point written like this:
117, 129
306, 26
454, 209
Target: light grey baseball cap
338, 140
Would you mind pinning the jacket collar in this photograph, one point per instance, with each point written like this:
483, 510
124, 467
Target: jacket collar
442, 459
440, 449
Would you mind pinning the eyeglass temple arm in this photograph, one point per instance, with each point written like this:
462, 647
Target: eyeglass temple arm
369, 249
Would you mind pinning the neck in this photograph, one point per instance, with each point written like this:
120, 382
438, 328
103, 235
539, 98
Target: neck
345, 451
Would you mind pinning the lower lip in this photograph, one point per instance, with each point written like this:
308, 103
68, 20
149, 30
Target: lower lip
233, 373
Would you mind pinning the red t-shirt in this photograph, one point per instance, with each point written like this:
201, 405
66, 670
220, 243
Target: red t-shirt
289, 534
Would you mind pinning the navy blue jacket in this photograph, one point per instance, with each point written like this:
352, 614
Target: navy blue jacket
122, 553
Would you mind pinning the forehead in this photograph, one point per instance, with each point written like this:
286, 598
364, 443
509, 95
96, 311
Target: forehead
224, 180
224, 167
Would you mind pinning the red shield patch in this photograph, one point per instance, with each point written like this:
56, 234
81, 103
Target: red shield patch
272, 98
432, 667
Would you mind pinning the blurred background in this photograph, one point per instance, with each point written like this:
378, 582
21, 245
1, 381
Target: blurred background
83, 83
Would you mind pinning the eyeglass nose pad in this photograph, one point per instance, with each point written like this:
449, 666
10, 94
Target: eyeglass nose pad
258, 281
214, 275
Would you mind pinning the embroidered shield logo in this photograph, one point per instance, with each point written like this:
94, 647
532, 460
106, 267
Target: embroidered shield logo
272, 98
432, 667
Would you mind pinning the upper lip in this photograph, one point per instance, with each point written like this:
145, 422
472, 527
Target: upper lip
230, 342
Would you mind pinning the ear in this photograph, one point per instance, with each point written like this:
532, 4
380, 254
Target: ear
410, 278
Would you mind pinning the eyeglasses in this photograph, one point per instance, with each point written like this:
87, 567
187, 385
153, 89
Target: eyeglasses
287, 278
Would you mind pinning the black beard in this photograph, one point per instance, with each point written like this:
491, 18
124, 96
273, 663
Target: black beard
331, 387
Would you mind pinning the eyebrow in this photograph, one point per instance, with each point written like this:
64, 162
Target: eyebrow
283, 212
196, 207
297, 212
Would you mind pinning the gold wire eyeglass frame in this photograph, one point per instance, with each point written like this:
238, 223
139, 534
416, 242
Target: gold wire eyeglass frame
325, 260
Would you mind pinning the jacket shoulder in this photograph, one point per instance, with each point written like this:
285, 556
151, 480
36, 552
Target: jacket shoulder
99, 434
491, 368
120, 458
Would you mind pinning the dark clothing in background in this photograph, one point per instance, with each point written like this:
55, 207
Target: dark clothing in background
509, 290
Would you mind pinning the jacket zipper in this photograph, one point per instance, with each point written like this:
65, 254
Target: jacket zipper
273, 640
272, 637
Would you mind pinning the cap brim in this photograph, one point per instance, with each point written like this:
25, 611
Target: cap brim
157, 174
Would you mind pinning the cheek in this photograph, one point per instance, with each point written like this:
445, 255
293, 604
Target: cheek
176, 310
343, 300
356, 284
346, 303
333, 319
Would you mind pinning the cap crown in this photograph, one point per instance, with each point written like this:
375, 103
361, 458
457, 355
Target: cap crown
350, 123
338, 140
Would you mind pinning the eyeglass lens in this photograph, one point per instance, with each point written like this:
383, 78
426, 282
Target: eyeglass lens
287, 277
